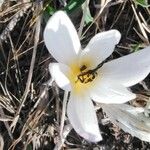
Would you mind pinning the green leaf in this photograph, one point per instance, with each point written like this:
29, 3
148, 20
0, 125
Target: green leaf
73, 5
69, 8
135, 47
29, 147
88, 17
143, 3
50, 10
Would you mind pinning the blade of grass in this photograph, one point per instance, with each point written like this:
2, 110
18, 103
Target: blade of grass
83, 17
143, 3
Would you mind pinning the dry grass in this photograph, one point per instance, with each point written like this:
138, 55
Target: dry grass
30, 103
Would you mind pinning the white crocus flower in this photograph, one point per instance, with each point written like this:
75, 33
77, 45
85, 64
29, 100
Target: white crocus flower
80, 72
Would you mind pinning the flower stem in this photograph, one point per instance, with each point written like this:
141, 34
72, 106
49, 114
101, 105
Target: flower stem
63, 113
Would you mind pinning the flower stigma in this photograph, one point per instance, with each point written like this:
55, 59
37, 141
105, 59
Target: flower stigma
86, 76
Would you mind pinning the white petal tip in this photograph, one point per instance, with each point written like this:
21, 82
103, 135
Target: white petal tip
96, 138
117, 35
58, 72
92, 137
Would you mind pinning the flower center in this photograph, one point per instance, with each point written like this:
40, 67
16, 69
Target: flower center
82, 77
85, 75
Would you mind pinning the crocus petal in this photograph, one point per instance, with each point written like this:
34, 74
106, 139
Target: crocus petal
130, 69
58, 72
100, 47
83, 118
130, 119
109, 92
61, 38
